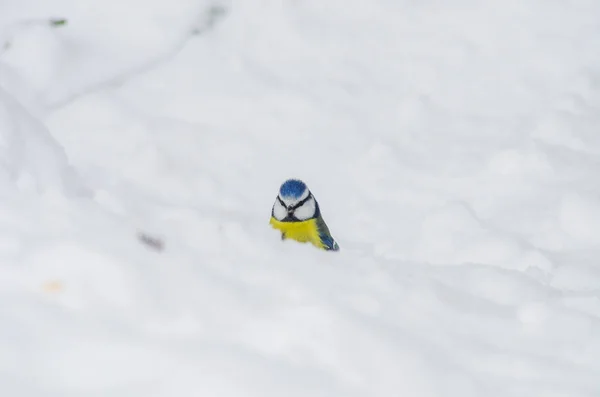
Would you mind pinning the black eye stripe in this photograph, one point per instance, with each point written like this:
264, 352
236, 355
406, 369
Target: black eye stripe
301, 203
290, 216
297, 205
281, 202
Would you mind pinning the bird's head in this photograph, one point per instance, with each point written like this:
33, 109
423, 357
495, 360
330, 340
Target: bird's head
294, 202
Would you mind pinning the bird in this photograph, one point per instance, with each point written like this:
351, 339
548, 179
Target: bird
296, 214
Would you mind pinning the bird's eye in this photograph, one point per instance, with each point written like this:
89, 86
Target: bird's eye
306, 210
279, 211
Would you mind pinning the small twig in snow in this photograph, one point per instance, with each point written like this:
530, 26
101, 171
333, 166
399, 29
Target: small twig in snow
154, 243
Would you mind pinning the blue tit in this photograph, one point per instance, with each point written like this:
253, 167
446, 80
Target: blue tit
297, 215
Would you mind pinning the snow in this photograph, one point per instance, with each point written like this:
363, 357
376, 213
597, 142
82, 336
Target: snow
453, 149
31, 156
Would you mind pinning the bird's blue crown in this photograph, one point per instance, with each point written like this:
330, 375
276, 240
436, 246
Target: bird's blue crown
292, 188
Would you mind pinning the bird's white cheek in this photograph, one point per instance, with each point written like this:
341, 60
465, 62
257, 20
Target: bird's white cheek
306, 211
279, 212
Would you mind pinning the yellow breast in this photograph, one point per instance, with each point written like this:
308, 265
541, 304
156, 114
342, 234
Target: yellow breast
304, 232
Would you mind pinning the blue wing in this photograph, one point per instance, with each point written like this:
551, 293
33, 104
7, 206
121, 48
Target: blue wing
326, 238
329, 243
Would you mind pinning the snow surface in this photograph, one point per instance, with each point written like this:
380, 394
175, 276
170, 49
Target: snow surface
454, 149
